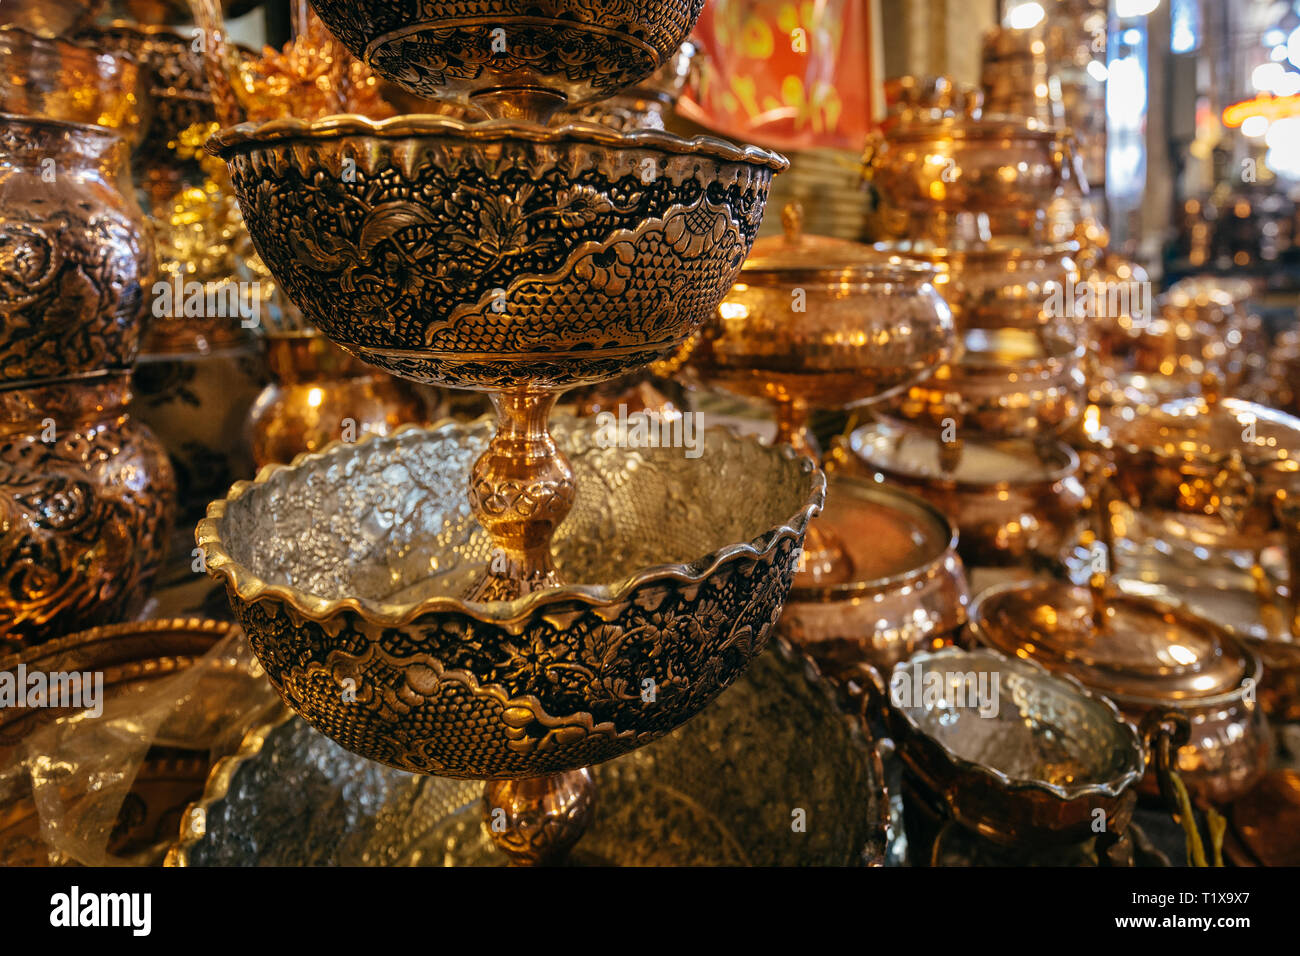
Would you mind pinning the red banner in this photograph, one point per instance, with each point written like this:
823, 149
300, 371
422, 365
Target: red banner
790, 74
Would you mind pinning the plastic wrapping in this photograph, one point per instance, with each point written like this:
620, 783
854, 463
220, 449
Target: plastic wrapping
111, 789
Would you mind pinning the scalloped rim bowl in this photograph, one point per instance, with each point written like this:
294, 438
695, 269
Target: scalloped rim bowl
250, 587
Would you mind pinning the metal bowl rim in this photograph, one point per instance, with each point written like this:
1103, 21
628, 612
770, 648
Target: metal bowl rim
250, 588
247, 137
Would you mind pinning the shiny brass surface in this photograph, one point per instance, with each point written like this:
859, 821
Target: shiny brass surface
1037, 770
320, 393
719, 790
86, 495
968, 179
1013, 501
537, 820
57, 79
50, 18
823, 322
513, 58
552, 263
908, 589
1222, 462
75, 255
132, 657
1150, 658
1002, 383
680, 590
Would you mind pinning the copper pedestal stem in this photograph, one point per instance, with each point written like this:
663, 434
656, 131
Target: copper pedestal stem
824, 560
521, 488
535, 821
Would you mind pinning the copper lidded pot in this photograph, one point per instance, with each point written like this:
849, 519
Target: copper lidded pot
1152, 659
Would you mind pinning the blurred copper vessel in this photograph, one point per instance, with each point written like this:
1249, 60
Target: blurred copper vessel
176, 87
1215, 468
1194, 335
133, 658
1014, 501
1035, 770
320, 393
1001, 383
968, 178
1152, 659
86, 493
50, 18
820, 322
908, 591
75, 254
1006, 282
57, 79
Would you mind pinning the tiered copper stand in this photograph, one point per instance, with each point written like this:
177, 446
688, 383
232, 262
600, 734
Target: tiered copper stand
517, 259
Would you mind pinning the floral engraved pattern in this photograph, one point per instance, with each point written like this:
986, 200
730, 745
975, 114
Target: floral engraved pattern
461, 690
83, 525
585, 49
481, 264
75, 254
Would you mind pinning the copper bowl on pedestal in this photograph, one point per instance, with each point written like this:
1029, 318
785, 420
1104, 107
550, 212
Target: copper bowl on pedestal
341, 570
492, 255
505, 53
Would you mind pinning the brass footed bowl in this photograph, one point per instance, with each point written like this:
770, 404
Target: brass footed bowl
562, 50
493, 255
340, 569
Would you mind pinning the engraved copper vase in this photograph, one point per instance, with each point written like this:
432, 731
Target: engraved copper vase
85, 499
75, 254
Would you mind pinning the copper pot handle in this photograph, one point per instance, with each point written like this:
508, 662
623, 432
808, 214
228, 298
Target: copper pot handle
1163, 732
873, 691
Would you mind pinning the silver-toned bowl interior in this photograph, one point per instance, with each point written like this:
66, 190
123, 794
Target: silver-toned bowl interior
388, 521
1044, 730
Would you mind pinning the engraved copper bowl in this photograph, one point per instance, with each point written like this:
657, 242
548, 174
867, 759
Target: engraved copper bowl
716, 791
491, 255
1037, 770
341, 570
504, 53
75, 254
